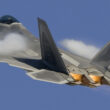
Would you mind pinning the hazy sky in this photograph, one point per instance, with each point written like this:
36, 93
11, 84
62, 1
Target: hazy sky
87, 21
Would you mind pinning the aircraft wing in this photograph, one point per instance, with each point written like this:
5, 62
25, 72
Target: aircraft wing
32, 54
28, 47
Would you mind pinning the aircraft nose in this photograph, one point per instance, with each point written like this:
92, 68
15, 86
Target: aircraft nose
7, 19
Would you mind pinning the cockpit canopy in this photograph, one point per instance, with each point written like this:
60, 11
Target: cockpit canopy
7, 19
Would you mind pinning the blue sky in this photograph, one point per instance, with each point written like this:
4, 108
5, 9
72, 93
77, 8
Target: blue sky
85, 20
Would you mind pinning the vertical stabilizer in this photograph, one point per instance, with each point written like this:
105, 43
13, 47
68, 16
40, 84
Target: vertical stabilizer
49, 51
102, 58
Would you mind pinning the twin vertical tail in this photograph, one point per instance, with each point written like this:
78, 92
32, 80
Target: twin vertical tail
51, 56
49, 52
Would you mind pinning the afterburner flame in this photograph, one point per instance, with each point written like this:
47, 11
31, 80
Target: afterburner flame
76, 77
96, 79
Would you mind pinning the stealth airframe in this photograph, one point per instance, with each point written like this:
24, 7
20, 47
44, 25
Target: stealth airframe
43, 61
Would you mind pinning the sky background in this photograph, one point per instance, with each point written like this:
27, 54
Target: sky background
84, 20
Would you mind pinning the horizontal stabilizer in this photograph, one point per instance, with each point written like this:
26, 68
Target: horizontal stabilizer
49, 76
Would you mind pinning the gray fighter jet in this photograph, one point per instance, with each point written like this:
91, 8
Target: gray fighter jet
43, 61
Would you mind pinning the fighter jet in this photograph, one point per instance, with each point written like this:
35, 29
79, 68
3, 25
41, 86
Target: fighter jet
42, 60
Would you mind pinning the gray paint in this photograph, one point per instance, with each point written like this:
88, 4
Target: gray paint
44, 61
